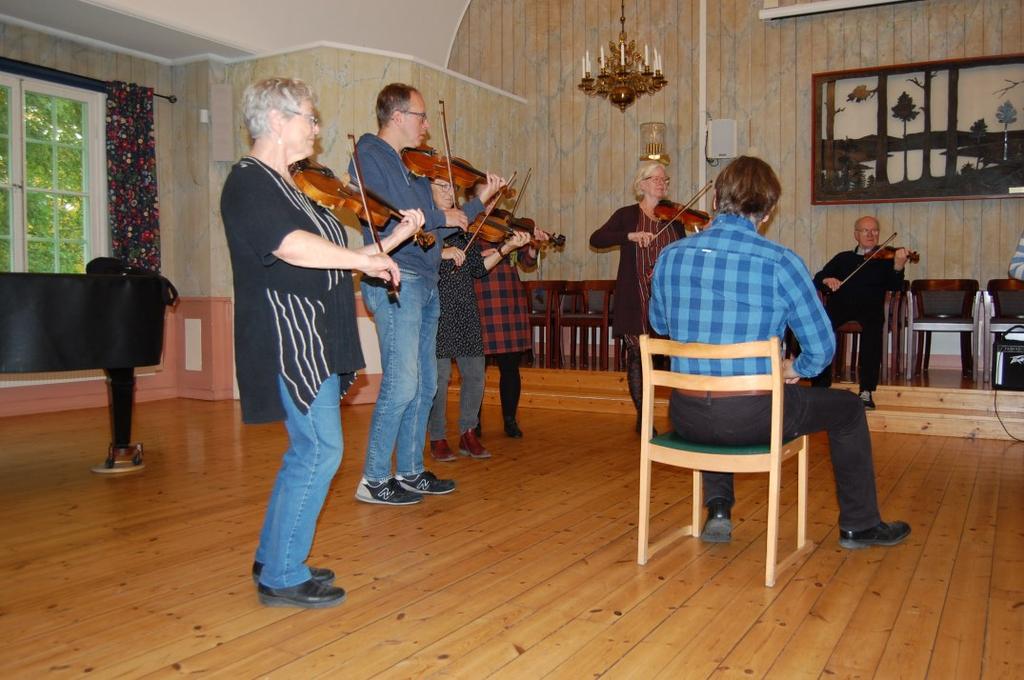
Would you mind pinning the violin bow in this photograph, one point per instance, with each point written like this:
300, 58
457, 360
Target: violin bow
448, 154
519, 196
867, 259
392, 288
490, 208
693, 200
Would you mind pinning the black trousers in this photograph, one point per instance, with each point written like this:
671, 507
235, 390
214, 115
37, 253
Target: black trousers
737, 421
869, 316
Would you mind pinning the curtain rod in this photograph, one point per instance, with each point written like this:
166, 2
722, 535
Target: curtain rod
24, 68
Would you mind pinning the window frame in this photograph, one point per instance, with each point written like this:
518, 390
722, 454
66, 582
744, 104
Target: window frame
98, 233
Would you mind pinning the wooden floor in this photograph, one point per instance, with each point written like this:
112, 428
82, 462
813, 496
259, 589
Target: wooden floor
527, 571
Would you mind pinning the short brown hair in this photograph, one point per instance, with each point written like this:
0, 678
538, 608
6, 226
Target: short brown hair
747, 187
394, 97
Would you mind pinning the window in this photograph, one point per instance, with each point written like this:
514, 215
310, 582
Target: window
52, 177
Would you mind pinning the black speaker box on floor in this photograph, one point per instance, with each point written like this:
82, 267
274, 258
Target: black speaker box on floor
1008, 360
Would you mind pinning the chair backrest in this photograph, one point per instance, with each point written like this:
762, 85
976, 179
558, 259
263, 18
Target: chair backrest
768, 349
598, 295
1007, 297
944, 298
572, 296
543, 295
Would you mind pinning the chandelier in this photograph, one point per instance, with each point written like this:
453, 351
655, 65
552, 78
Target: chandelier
628, 75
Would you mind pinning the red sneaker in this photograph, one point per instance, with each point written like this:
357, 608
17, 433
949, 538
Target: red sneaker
470, 446
440, 452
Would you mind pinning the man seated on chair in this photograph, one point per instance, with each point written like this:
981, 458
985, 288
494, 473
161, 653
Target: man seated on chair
729, 284
860, 298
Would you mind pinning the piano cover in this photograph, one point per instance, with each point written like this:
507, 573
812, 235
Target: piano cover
68, 322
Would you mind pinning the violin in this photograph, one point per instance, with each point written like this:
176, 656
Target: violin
500, 224
889, 253
674, 212
425, 161
330, 191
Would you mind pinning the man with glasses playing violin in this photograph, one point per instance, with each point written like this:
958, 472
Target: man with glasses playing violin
860, 297
406, 328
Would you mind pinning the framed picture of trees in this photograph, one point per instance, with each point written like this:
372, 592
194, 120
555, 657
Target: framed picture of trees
915, 132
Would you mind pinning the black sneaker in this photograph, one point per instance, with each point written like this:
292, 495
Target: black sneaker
385, 493
865, 398
427, 482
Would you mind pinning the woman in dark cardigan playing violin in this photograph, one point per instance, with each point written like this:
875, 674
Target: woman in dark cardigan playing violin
641, 236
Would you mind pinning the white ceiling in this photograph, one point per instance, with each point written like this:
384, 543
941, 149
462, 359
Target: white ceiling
177, 31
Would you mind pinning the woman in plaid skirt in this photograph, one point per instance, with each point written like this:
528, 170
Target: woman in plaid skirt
504, 319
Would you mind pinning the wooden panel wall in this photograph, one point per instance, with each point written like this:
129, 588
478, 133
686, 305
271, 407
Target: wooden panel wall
583, 150
347, 84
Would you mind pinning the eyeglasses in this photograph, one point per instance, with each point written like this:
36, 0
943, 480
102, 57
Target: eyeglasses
867, 231
660, 180
422, 114
310, 118
443, 186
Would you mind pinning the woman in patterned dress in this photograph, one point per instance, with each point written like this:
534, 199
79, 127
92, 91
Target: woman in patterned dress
641, 237
458, 333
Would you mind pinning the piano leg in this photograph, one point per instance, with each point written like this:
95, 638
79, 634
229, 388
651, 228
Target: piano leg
121, 385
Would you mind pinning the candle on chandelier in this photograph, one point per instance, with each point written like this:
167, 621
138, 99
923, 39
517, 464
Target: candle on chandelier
622, 54
600, 61
647, 61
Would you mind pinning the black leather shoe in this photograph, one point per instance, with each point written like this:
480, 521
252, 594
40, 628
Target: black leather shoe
718, 527
320, 575
309, 595
512, 428
885, 533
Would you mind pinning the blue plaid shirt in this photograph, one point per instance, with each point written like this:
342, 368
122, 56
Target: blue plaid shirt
729, 284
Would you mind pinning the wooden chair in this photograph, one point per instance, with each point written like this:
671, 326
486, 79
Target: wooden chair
1003, 309
895, 325
587, 312
891, 336
544, 297
671, 449
942, 306
572, 310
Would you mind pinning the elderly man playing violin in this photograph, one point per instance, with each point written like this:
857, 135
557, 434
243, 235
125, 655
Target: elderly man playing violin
406, 329
855, 291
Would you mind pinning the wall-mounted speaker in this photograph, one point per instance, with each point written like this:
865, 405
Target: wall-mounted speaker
722, 138
222, 123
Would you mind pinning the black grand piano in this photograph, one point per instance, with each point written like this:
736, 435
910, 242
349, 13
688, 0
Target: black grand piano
69, 322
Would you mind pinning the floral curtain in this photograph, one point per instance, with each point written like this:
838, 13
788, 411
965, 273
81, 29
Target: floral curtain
131, 176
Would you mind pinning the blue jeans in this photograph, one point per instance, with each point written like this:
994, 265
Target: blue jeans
407, 334
471, 395
309, 464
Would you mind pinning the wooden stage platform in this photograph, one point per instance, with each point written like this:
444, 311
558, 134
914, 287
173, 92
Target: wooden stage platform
942, 404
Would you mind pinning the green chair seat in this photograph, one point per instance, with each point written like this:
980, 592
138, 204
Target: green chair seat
674, 441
